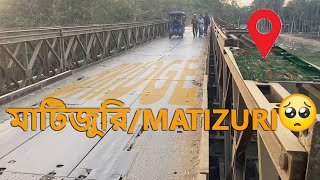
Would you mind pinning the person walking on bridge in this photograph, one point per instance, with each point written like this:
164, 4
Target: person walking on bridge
206, 24
194, 22
200, 25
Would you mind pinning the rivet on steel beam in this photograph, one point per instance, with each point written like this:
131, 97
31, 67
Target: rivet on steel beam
283, 161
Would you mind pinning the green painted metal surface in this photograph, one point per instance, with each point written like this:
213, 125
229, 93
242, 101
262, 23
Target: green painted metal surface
279, 66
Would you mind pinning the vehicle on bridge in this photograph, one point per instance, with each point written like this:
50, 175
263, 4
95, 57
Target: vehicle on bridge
177, 23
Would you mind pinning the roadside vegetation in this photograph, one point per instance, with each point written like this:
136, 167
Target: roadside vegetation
297, 15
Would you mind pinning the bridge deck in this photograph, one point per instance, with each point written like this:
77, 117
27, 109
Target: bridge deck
165, 73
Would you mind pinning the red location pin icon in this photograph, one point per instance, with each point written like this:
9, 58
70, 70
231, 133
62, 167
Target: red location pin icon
264, 42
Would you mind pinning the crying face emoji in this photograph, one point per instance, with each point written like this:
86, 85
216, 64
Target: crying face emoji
297, 112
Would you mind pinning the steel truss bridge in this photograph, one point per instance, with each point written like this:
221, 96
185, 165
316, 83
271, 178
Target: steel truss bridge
85, 64
30, 56
261, 154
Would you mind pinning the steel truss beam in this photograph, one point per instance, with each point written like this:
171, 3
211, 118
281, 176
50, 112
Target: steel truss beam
30, 56
281, 153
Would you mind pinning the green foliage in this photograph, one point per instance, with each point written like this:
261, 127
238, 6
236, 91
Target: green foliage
34, 13
25, 12
303, 15
298, 15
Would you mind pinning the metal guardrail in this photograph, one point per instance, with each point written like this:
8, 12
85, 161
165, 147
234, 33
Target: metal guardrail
280, 154
30, 56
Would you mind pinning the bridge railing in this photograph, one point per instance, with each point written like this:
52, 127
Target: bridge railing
30, 56
280, 153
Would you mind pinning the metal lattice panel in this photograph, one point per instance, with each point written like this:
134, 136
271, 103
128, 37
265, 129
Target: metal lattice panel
30, 56
279, 66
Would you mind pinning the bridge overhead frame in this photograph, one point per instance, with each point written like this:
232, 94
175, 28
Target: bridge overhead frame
30, 56
281, 154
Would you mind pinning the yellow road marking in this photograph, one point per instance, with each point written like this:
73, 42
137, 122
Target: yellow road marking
95, 80
75, 85
124, 89
150, 93
184, 96
92, 94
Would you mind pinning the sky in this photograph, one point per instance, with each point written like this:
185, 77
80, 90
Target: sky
244, 2
248, 2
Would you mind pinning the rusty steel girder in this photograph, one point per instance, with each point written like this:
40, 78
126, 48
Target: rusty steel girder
30, 56
281, 153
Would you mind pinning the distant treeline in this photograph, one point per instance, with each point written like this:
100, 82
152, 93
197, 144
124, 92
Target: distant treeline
296, 15
35, 13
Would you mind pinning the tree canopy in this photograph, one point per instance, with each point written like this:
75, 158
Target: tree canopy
297, 15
